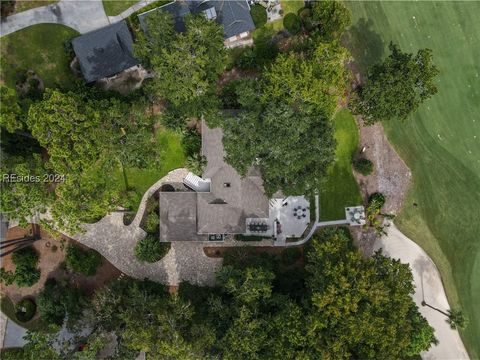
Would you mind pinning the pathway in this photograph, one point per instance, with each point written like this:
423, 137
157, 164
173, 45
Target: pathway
83, 16
429, 287
11, 334
139, 5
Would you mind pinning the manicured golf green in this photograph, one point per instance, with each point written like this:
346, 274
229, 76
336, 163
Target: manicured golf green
341, 189
40, 48
441, 142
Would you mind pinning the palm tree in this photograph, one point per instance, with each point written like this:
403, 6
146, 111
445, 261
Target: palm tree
456, 319
196, 163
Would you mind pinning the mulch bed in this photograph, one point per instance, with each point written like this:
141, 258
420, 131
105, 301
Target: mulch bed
51, 266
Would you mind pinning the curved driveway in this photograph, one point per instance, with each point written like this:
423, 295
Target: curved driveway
83, 16
429, 287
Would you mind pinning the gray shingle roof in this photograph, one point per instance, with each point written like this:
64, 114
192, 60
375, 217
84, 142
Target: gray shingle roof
225, 209
178, 216
105, 52
233, 15
177, 9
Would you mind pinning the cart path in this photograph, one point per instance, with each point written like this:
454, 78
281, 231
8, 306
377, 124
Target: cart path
428, 287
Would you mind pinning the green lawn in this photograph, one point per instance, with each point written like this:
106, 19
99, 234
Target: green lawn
8, 308
341, 189
23, 5
40, 48
291, 6
441, 142
172, 157
115, 7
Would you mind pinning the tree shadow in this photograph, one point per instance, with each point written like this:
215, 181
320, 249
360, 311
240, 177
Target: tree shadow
366, 46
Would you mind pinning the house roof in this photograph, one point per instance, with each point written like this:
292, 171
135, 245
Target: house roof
232, 198
178, 216
233, 15
105, 52
178, 9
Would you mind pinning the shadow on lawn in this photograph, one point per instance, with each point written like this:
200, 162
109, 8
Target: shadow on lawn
366, 46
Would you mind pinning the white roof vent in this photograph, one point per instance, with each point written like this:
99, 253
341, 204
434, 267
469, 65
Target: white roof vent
210, 13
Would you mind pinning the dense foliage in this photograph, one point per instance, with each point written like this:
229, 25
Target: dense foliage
26, 273
259, 15
395, 88
150, 249
186, 64
25, 310
363, 166
331, 18
82, 261
58, 300
341, 306
84, 133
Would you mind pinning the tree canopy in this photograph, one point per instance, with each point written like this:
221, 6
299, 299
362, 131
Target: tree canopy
396, 88
186, 66
331, 17
292, 149
341, 306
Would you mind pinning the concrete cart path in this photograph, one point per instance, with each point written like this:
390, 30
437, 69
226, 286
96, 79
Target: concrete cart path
429, 287
83, 16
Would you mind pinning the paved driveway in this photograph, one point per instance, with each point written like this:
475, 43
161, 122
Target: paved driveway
429, 286
83, 16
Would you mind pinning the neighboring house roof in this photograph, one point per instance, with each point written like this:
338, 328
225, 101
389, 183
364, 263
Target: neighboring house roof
232, 198
178, 216
177, 9
233, 15
105, 52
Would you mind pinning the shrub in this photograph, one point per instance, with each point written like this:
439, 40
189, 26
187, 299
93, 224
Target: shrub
26, 276
150, 249
290, 255
82, 261
376, 200
363, 166
259, 15
26, 273
292, 23
26, 257
25, 310
191, 142
152, 223
56, 301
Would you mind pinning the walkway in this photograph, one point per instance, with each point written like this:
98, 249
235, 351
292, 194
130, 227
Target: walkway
11, 334
429, 286
185, 261
83, 16
141, 4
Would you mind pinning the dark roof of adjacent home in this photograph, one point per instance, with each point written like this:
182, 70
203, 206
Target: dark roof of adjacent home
105, 52
233, 15
177, 9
